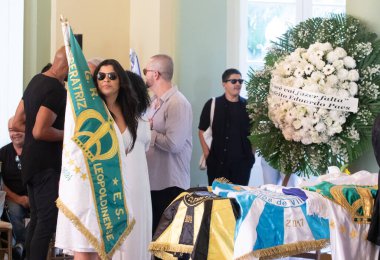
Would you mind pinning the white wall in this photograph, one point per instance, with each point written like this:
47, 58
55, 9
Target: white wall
11, 65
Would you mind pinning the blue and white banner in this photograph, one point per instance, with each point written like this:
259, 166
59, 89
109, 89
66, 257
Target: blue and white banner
273, 224
135, 66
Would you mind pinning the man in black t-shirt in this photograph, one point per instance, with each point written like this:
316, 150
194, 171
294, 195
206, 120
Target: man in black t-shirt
16, 198
41, 114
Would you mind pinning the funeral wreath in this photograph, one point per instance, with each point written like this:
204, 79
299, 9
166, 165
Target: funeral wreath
314, 103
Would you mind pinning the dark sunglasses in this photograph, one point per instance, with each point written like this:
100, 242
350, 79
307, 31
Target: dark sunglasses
233, 81
145, 71
17, 160
110, 75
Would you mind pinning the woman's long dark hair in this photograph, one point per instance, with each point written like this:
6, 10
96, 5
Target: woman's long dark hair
126, 98
141, 90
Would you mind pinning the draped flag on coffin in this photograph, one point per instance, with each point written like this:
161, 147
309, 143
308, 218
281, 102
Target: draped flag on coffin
358, 200
197, 224
273, 224
92, 190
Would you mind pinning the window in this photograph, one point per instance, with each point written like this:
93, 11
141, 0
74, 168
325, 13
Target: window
262, 21
11, 53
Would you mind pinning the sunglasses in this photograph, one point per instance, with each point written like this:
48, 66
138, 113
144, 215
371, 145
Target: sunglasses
110, 75
145, 71
233, 81
17, 160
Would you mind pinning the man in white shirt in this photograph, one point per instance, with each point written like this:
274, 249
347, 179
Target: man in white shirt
170, 118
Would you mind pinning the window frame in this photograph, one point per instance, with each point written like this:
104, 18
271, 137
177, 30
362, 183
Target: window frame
237, 35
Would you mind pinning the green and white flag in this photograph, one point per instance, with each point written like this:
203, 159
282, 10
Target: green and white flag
92, 192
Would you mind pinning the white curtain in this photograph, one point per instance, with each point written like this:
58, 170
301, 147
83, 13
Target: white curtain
11, 65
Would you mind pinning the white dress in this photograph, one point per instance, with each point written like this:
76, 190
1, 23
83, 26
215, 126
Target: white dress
136, 244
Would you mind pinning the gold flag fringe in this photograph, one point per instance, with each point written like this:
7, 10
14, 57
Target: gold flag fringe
223, 180
157, 248
287, 250
164, 255
92, 239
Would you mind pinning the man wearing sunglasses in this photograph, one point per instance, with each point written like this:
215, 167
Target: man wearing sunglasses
17, 201
170, 117
230, 155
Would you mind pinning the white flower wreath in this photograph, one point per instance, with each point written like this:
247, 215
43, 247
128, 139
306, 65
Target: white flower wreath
301, 115
314, 103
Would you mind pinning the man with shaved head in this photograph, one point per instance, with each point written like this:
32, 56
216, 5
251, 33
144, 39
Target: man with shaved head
41, 114
170, 117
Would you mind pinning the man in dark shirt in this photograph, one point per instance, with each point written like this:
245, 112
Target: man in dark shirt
41, 114
230, 155
16, 198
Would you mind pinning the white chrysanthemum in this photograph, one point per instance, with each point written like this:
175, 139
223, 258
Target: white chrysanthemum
332, 80
306, 140
341, 120
287, 69
305, 56
353, 75
345, 85
309, 68
340, 52
317, 76
349, 62
334, 114
311, 110
338, 64
328, 69
320, 127
298, 73
315, 118
342, 74
288, 133
314, 135
331, 57
320, 64
298, 83
326, 47
353, 88
319, 54
297, 124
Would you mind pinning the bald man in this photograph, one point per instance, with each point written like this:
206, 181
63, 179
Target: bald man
169, 154
41, 114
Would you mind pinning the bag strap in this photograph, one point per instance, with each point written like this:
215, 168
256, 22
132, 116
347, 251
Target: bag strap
212, 110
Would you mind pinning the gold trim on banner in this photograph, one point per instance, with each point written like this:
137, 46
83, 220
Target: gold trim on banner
366, 202
287, 250
155, 248
91, 238
164, 255
223, 180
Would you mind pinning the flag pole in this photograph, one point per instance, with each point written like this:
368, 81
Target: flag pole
66, 36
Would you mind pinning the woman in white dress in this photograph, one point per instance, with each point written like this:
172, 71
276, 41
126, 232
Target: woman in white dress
126, 106
136, 244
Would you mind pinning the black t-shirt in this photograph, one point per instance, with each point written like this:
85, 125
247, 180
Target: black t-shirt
37, 155
10, 173
230, 129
